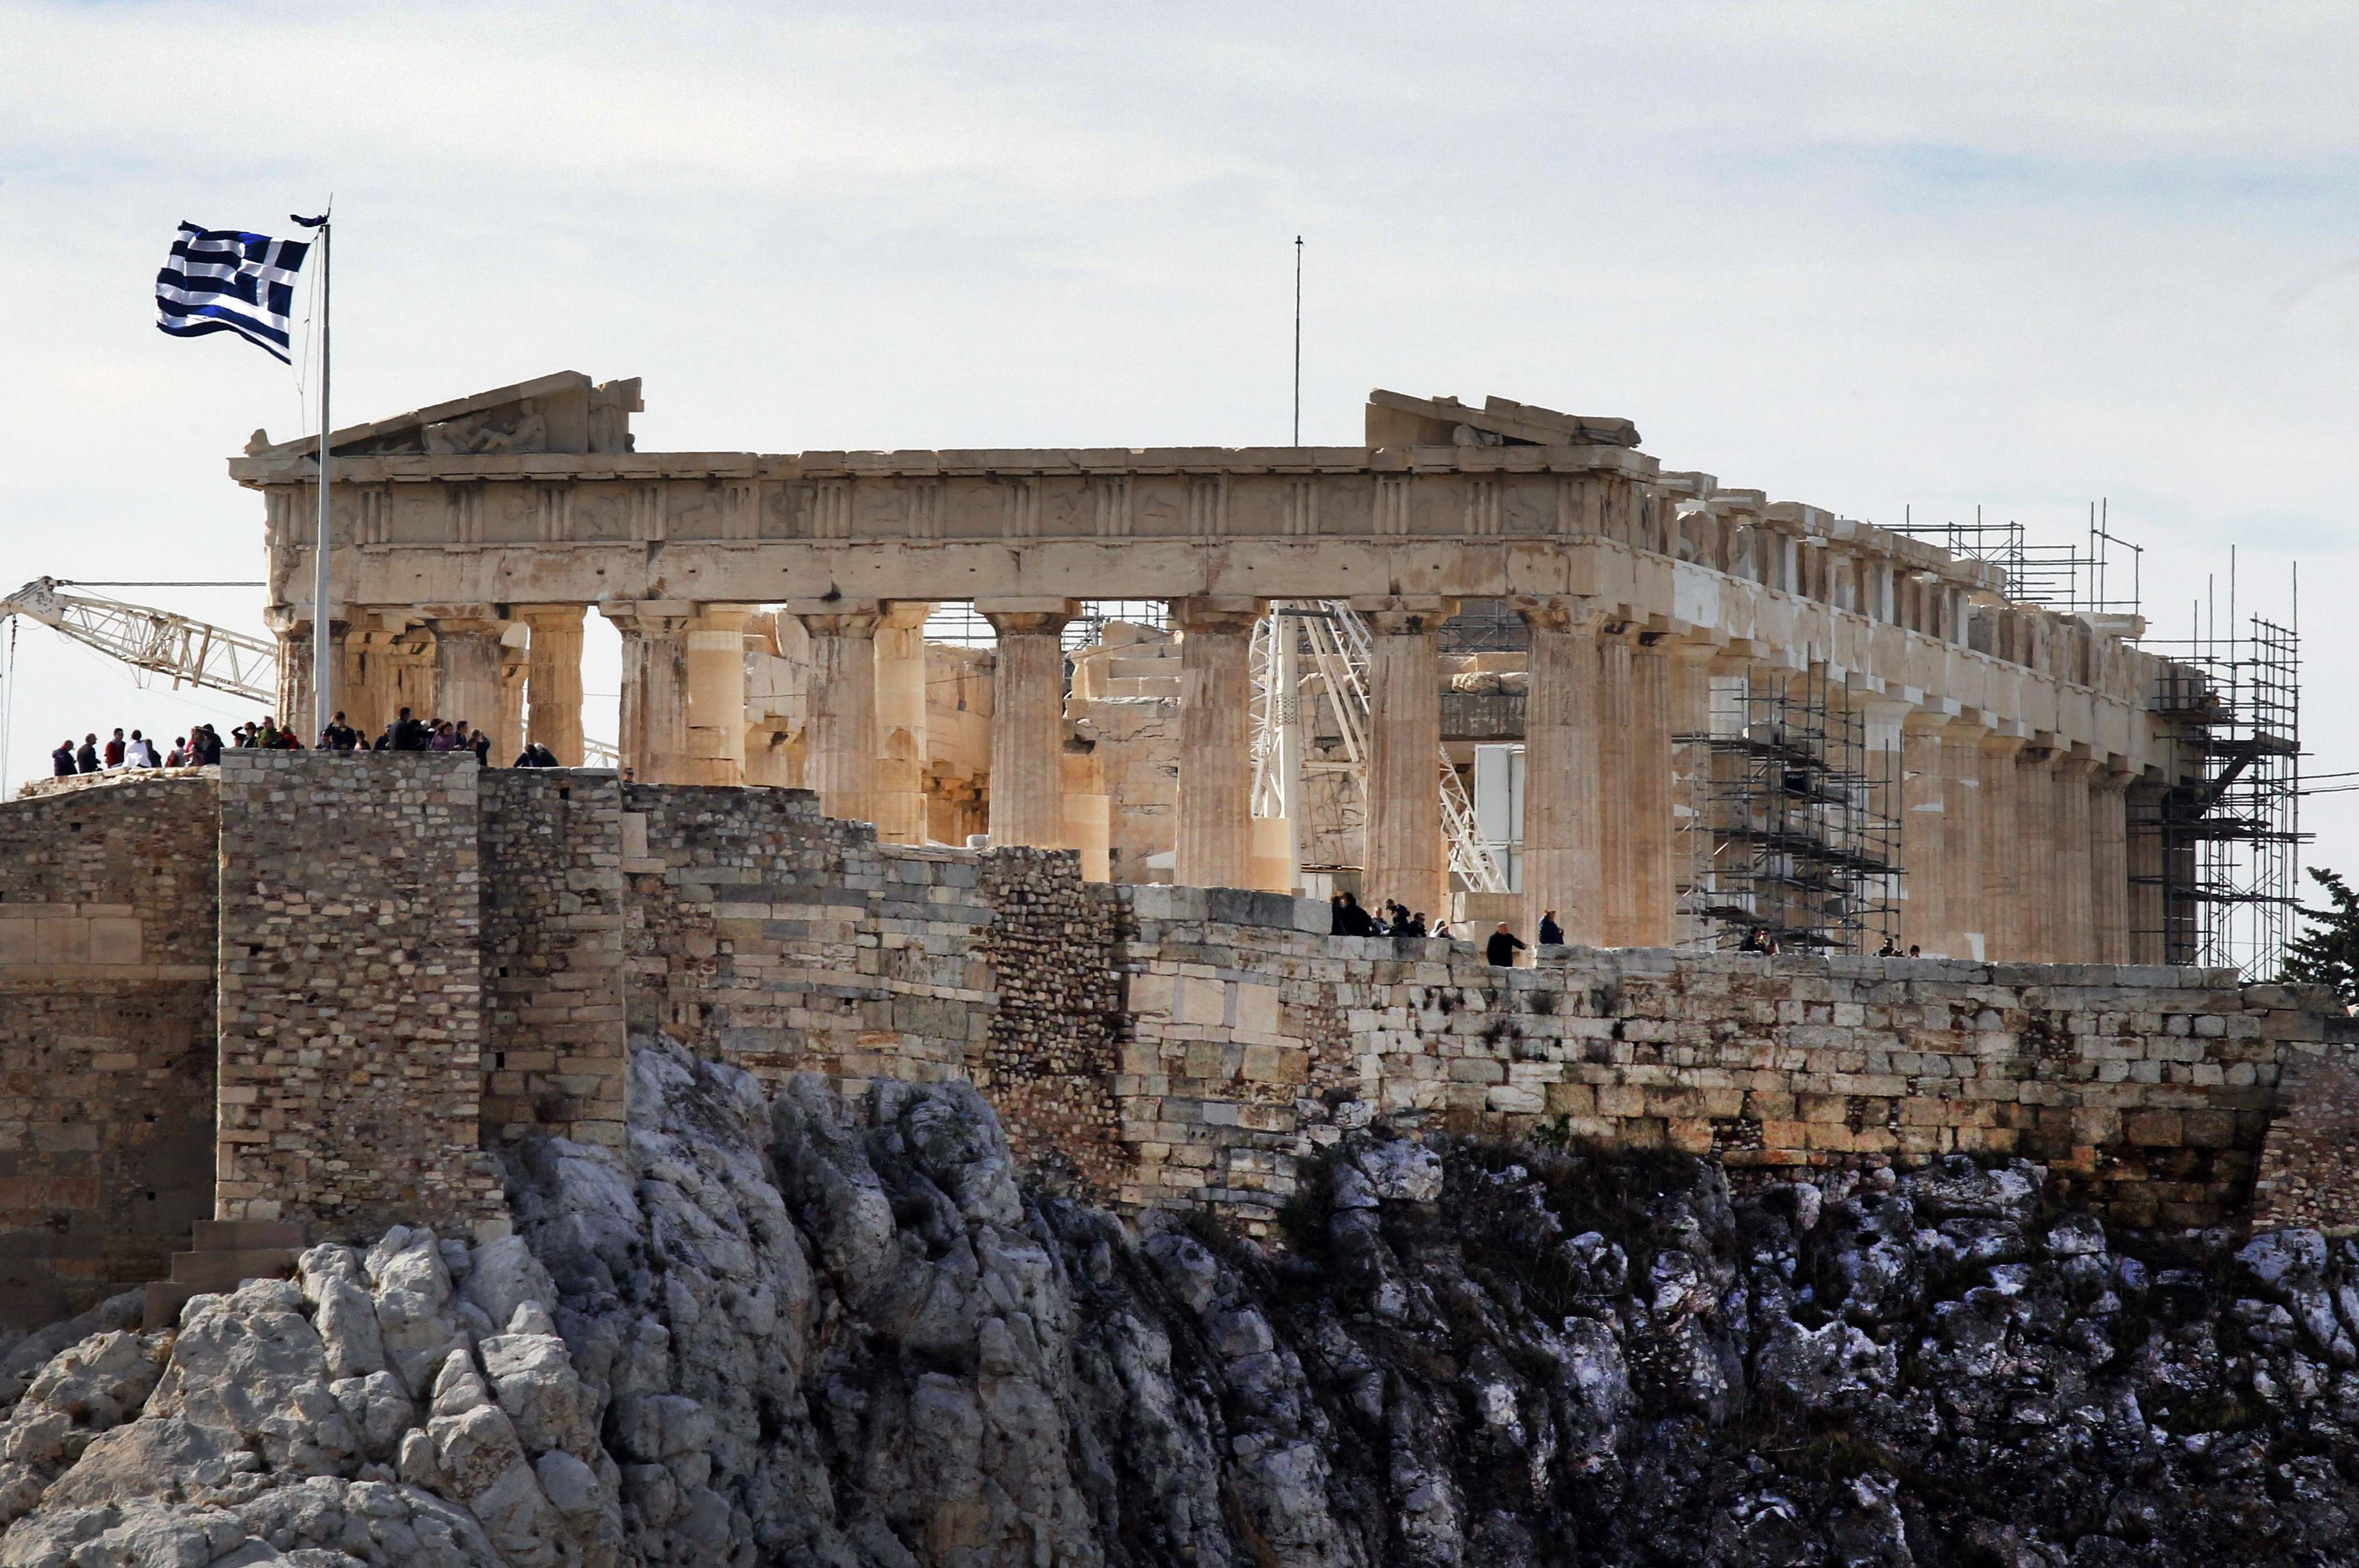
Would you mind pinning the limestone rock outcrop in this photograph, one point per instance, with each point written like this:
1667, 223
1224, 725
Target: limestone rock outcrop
811, 1331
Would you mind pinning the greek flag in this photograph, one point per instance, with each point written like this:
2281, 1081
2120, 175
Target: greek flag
219, 280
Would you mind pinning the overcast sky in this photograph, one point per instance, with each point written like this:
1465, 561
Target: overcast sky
1872, 257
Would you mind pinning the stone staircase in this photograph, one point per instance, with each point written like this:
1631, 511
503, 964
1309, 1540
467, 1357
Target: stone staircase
223, 1255
1133, 662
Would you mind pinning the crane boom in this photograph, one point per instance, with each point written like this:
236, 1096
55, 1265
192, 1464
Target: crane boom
193, 652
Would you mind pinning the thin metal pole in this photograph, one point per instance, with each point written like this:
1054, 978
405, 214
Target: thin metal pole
1297, 340
324, 694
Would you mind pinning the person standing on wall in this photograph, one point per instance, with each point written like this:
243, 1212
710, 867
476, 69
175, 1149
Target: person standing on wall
1502, 947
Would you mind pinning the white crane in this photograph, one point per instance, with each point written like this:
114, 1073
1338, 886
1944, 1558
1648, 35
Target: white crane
1340, 652
193, 652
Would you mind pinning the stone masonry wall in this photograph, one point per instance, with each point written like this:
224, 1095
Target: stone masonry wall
2149, 1091
351, 992
552, 845
1048, 1066
107, 912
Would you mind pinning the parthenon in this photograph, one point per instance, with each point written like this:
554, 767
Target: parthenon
2017, 744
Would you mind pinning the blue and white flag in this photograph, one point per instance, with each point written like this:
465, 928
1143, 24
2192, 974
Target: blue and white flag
219, 280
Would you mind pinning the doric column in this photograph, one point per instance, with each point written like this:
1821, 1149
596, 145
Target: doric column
2109, 867
714, 644
1923, 835
1214, 846
1028, 721
2000, 874
516, 669
840, 737
412, 657
1650, 794
654, 740
1405, 858
1692, 838
467, 664
1966, 926
1617, 784
1563, 822
293, 701
2143, 810
1883, 760
2035, 855
553, 679
898, 797
2074, 938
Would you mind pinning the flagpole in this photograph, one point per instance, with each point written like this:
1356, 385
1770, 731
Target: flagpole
323, 637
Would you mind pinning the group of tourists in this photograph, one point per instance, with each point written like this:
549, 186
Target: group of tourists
203, 747
1391, 920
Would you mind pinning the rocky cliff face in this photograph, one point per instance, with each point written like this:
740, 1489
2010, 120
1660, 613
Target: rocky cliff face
802, 1332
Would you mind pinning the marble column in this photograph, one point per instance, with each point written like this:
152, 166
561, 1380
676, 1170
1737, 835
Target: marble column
363, 682
1214, 844
1028, 721
1965, 930
1691, 837
654, 731
714, 646
467, 666
1883, 758
1650, 773
2073, 937
1617, 784
1563, 825
1405, 858
2143, 809
898, 797
553, 679
2000, 873
413, 661
2035, 855
840, 737
1924, 818
2109, 867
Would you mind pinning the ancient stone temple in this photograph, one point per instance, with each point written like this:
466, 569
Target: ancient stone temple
1661, 631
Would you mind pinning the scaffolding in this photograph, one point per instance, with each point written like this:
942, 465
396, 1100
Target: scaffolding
1802, 840
2101, 576
2216, 852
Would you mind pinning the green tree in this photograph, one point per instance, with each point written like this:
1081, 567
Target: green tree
2328, 953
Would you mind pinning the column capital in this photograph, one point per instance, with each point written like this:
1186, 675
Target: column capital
1023, 617
1557, 613
840, 622
1395, 614
1998, 743
649, 618
905, 615
553, 618
1215, 616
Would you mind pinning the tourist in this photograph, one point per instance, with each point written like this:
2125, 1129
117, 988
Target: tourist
443, 739
114, 749
86, 758
1551, 934
61, 761
339, 735
480, 744
1502, 947
536, 755
1416, 924
1755, 941
1356, 920
208, 745
178, 756
1916, 952
140, 752
406, 733
1891, 949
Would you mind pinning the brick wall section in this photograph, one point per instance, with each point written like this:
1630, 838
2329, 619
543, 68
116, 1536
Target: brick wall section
106, 1025
1048, 1063
351, 992
552, 845
2148, 1091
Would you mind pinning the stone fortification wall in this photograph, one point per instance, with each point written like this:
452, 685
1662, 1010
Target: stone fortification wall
107, 910
2149, 1091
351, 992
761, 933
551, 846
